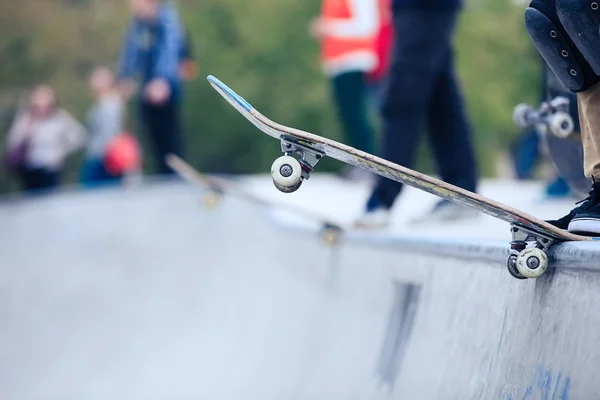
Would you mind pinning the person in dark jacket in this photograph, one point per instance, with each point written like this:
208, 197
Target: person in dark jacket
422, 93
152, 50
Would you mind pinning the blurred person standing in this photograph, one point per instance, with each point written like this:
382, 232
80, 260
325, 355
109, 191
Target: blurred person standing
347, 31
422, 93
153, 47
104, 123
41, 137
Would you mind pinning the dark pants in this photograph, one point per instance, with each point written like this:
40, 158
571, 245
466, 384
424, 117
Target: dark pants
423, 94
350, 92
162, 123
526, 154
39, 179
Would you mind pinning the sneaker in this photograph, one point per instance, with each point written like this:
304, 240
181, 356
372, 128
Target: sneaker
377, 215
557, 189
446, 210
585, 218
374, 219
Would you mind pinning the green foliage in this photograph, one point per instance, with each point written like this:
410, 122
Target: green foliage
262, 50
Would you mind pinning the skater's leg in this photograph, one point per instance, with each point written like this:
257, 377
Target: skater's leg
563, 42
418, 52
450, 132
587, 218
417, 56
589, 115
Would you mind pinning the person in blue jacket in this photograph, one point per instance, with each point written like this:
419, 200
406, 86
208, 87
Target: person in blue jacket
423, 94
151, 53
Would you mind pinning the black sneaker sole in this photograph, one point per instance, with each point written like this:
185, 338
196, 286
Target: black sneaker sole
585, 226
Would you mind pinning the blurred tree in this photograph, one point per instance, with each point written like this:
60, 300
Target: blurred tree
262, 50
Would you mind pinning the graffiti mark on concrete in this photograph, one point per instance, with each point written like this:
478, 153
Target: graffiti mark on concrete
401, 320
545, 385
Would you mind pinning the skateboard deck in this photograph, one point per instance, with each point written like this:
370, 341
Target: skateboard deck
218, 187
531, 236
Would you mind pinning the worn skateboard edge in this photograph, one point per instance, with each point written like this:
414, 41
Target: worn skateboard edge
411, 178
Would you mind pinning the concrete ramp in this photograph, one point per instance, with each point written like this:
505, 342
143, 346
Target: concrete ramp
143, 294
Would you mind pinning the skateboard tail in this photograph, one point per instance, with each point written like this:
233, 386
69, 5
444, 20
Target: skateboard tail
237, 99
241, 105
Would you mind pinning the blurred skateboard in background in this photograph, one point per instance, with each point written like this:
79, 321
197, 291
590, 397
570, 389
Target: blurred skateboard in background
218, 187
531, 237
555, 126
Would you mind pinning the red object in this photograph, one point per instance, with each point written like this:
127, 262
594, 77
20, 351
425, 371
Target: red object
122, 155
383, 41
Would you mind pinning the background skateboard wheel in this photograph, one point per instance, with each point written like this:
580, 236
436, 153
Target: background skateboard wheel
532, 262
511, 264
561, 125
520, 115
330, 235
287, 174
211, 199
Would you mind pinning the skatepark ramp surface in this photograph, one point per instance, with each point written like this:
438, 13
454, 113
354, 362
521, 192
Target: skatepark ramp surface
145, 294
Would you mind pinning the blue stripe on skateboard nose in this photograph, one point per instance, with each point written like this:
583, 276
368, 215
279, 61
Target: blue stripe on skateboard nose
238, 99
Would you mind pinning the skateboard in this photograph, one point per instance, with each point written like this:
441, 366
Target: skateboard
330, 233
555, 126
553, 114
531, 237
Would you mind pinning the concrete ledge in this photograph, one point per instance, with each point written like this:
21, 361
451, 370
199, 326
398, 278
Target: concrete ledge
578, 255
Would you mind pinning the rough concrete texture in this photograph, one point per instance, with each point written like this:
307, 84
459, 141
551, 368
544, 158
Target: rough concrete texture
144, 294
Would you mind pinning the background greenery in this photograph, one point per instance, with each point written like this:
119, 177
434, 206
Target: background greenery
261, 49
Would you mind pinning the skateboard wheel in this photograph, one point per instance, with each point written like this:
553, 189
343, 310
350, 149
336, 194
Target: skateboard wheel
532, 262
520, 115
286, 189
287, 174
211, 199
330, 236
561, 125
511, 264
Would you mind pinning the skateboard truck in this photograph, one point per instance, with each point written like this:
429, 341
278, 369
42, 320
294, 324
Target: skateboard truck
528, 257
295, 166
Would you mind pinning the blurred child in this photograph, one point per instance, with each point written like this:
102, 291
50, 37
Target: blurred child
104, 123
41, 138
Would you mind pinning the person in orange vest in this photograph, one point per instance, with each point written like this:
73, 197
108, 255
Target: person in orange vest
383, 47
347, 31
